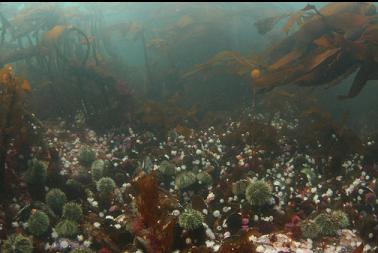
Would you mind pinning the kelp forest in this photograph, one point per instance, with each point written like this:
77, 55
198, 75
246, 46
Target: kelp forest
188, 127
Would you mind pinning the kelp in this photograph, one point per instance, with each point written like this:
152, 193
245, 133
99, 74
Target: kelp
329, 45
14, 126
156, 230
327, 49
238, 63
265, 25
148, 199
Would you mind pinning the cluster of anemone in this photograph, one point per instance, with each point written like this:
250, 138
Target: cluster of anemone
259, 193
17, 244
38, 223
191, 219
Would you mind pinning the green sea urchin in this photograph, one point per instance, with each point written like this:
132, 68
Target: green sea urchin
17, 244
66, 228
191, 219
185, 179
258, 193
55, 199
87, 157
72, 211
310, 229
38, 223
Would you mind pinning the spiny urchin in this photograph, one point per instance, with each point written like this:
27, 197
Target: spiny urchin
191, 219
66, 228
166, 168
72, 211
87, 157
105, 186
342, 218
97, 169
204, 178
17, 244
185, 179
259, 193
38, 223
239, 187
326, 223
36, 174
55, 199
310, 229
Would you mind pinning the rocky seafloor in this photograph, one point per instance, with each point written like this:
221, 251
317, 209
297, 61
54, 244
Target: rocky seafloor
257, 184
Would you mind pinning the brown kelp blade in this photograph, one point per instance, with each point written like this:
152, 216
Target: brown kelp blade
267, 24
322, 57
348, 7
368, 71
287, 59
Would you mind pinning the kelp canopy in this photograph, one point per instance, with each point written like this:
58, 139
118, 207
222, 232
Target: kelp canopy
323, 47
329, 46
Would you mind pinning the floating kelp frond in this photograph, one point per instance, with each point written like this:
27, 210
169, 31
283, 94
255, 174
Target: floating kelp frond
54, 34
266, 25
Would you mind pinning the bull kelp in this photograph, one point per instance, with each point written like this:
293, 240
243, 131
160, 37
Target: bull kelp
188, 127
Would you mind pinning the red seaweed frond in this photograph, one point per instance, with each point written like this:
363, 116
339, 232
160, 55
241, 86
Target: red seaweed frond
148, 199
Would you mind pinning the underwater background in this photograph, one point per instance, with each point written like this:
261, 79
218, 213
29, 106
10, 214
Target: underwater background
188, 127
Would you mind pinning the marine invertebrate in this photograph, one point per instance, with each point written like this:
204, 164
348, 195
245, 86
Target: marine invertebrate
17, 244
86, 157
72, 211
342, 218
166, 168
239, 187
105, 186
97, 169
258, 193
55, 199
185, 179
38, 223
66, 228
310, 229
329, 223
74, 189
204, 178
36, 174
191, 219
326, 223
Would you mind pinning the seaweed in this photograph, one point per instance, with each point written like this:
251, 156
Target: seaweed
15, 121
156, 226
